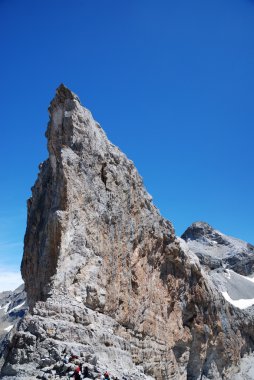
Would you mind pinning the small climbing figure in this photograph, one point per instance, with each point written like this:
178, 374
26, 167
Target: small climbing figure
86, 372
66, 359
77, 373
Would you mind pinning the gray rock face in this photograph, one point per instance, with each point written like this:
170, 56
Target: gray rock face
214, 249
106, 278
13, 307
227, 260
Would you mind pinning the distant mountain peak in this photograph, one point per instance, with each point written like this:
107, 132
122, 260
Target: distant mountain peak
216, 249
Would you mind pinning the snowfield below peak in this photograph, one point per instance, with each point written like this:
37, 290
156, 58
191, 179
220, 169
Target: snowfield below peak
241, 303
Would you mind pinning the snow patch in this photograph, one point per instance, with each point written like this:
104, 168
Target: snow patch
251, 279
8, 328
241, 303
227, 274
17, 307
5, 307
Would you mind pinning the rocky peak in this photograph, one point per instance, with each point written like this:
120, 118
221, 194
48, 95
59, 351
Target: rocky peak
88, 198
216, 249
105, 275
203, 232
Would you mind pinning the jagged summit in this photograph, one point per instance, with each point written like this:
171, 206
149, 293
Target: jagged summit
197, 230
216, 249
85, 179
63, 93
106, 278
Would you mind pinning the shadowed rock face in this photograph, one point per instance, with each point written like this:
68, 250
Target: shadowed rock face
105, 275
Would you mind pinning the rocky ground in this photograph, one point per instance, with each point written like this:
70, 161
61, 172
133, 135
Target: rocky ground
108, 281
13, 307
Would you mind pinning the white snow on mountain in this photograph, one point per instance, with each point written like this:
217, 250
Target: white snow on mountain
5, 307
241, 303
8, 328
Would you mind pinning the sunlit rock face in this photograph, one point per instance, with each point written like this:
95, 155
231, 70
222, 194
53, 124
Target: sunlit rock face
228, 261
106, 277
215, 249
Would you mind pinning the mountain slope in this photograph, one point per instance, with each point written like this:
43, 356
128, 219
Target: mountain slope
229, 262
106, 278
12, 309
215, 249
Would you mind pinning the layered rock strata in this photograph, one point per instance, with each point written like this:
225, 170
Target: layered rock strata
105, 275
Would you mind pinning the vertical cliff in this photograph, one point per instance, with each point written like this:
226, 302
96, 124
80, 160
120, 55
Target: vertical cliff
105, 275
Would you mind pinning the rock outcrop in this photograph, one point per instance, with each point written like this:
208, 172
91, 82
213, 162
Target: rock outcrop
228, 262
13, 307
106, 277
214, 249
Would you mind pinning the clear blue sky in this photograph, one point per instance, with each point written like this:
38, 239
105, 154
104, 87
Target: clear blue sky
171, 82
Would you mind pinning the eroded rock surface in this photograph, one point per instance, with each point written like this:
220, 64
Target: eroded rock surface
227, 261
105, 275
13, 307
215, 249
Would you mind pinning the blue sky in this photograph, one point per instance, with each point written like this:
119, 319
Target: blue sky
171, 83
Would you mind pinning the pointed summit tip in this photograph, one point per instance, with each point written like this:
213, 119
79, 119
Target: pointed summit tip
63, 93
201, 224
197, 229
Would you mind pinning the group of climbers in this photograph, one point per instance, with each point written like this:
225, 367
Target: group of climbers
82, 372
105, 376
79, 374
